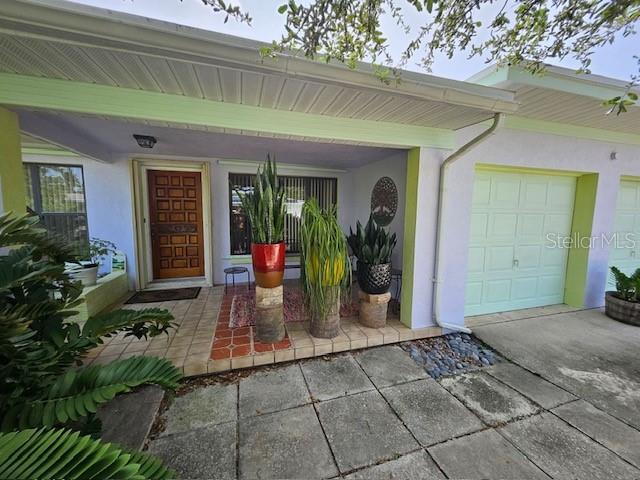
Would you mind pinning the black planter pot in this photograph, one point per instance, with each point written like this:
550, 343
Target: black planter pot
374, 279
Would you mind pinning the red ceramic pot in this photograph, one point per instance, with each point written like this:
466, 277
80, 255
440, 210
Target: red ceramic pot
268, 263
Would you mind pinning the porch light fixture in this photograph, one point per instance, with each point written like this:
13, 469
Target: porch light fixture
145, 141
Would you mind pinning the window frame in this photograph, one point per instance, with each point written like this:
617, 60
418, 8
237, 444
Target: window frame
36, 189
335, 180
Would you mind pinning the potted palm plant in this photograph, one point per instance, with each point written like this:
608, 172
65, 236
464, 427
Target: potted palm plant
372, 246
86, 270
623, 304
326, 271
265, 208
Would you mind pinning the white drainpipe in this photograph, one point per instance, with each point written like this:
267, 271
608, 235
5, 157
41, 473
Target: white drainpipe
437, 281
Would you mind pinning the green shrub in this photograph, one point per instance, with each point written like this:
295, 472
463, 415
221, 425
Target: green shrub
372, 244
627, 287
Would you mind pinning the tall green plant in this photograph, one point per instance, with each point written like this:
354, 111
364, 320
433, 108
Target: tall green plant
265, 205
41, 347
326, 270
372, 244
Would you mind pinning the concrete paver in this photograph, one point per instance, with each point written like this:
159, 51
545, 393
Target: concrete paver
362, 430
484, 454
286, 444
335, 377
563, 452
273, 390
492, 401
430, 412
389, 365
416, 465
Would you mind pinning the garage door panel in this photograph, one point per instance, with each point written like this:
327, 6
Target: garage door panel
529, 256
498, 291
499, 258
503, 225
624, 251
511, 265
505, 191
479, 223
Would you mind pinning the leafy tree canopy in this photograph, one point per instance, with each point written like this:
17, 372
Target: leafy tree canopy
518, 32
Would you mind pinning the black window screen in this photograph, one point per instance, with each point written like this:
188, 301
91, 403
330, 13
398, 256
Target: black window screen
56, 194
297, 190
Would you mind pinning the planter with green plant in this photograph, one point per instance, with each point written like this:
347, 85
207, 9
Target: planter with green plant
86, 270
44, 391
326, 271
623, 304
372, 246
266, 209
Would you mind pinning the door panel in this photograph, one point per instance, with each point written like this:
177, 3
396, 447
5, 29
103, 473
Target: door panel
511, 264
625, 252
175, 217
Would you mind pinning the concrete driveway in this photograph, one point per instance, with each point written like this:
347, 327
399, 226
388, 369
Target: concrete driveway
588, 354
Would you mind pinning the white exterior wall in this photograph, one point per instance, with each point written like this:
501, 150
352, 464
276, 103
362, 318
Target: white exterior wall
364, 179
516, 148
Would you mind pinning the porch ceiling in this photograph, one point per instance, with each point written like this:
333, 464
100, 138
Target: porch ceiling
90, 45
109, 139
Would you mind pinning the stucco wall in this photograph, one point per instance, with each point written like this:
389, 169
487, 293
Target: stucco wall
364, 179
516, 148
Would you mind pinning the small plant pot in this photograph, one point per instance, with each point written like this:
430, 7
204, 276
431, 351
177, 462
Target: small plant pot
88, 275
268, 263
621, 310
373, 309
327, 327
374, 279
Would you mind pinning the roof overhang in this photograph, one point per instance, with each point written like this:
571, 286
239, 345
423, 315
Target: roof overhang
62, 21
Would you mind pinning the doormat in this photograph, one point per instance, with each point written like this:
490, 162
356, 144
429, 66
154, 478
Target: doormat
243, 308
154, 296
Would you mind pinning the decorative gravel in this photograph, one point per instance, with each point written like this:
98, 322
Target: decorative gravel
450, 354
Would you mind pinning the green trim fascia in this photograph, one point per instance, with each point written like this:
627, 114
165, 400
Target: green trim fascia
12, 180
581, 228
409, 242
585, 85
48, 151
567, 130
87, 98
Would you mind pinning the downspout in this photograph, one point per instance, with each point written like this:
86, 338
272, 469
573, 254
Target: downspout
437, 281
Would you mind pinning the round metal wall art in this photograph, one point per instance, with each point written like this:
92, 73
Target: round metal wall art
384, 201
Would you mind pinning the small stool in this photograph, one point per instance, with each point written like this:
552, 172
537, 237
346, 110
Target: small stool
233, 271
396, 275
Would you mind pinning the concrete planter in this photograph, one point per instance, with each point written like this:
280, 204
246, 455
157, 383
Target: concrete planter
327, 327
622, 310
269, 314
373, 309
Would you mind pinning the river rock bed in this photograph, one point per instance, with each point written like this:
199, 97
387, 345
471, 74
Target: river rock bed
450, 354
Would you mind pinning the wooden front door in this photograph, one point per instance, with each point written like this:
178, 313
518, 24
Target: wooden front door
175, 213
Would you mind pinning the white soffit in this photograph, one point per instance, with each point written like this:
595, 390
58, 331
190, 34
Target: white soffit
563, 96
86, 44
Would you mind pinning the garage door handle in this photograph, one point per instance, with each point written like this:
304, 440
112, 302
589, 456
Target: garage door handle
515, 262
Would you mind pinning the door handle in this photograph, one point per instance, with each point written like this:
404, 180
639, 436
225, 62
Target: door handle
515, 262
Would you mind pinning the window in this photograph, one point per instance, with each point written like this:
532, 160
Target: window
297, 190
56, 194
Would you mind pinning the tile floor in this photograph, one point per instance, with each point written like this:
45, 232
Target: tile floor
194, 348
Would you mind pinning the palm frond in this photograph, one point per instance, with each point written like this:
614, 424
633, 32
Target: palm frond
78, 393
139, 323
57, 453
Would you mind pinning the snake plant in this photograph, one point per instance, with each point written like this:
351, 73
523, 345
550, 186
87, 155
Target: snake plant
372, 244
325, 264
265, 205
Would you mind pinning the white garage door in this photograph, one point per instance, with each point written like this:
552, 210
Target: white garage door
625, 246
512, 263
